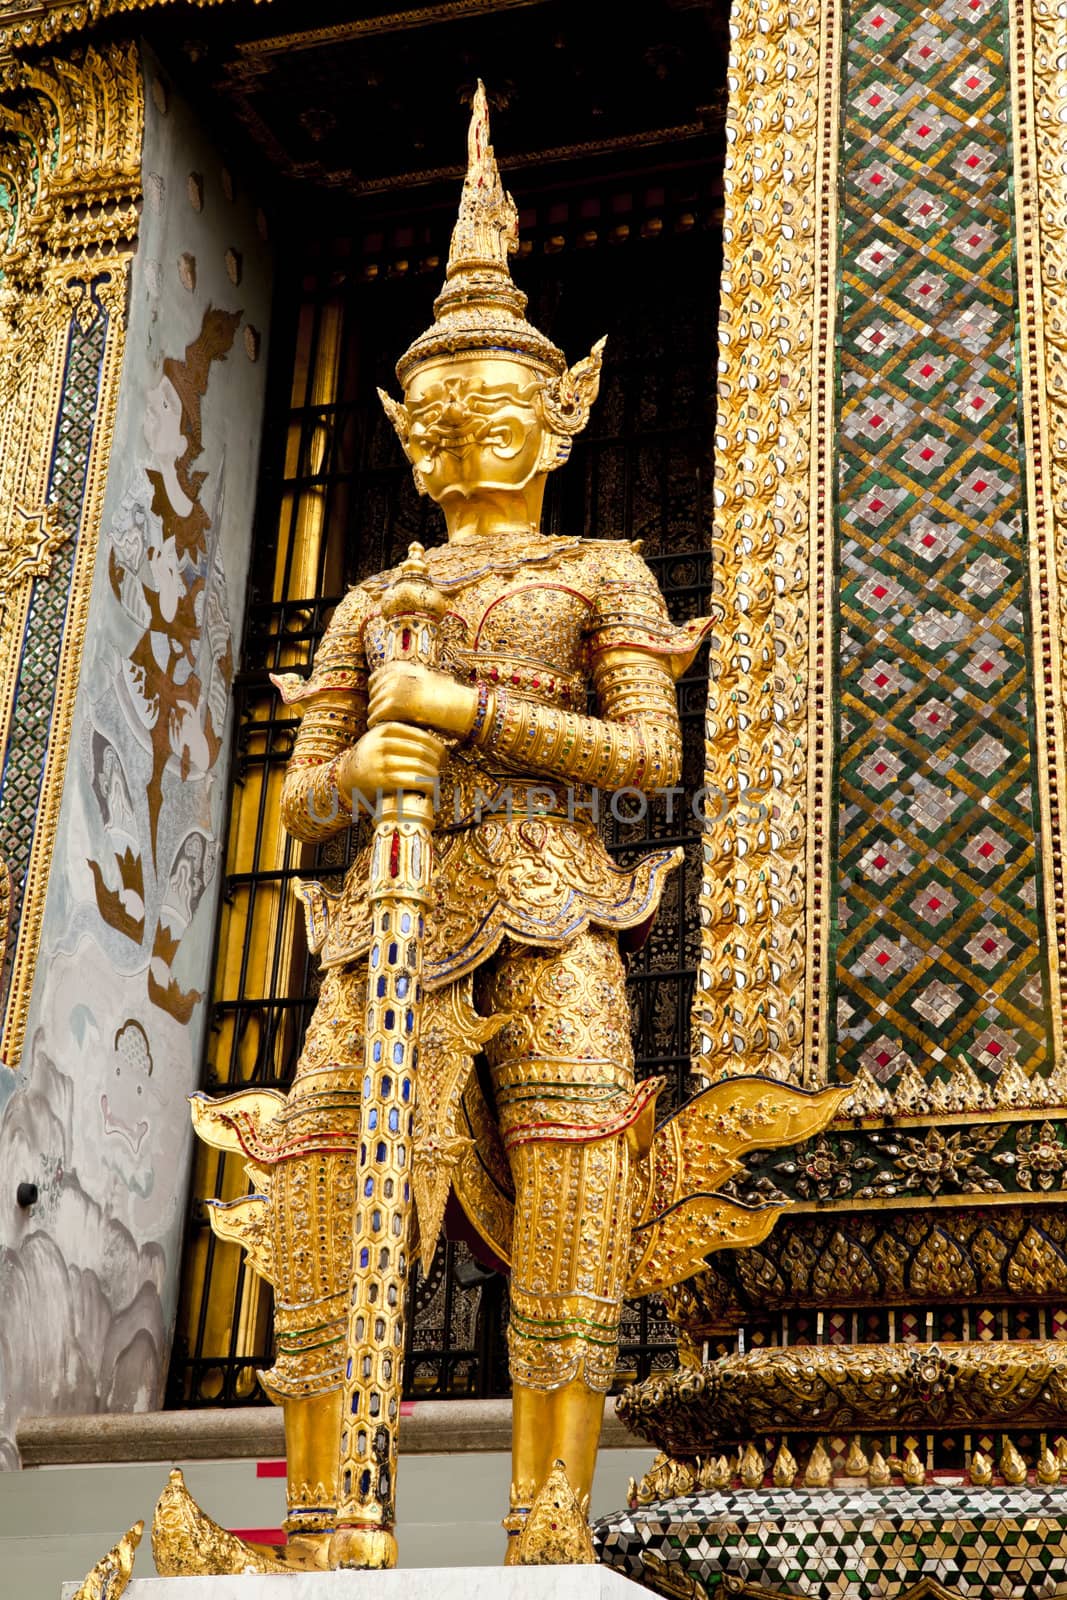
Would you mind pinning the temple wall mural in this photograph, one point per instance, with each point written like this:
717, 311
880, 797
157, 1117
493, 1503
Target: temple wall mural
111, 1041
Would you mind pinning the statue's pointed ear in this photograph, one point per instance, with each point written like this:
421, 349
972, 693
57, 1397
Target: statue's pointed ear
566, 401
398, 416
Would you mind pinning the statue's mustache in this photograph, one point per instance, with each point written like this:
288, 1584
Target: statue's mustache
455, 436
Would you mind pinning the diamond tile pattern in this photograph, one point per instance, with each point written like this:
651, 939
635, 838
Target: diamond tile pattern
938, 940
868, 1544
20, 781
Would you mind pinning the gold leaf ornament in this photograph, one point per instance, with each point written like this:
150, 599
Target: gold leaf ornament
785, 1468
1012, 1465
752, 1468
819, 1470
557, 1528
108, 1579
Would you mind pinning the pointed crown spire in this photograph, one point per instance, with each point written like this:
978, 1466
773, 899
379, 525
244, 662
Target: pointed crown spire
479, 308
487, 228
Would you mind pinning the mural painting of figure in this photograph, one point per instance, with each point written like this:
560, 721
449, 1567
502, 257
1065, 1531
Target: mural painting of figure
166, 572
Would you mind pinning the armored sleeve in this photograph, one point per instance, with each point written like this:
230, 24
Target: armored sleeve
635, 652
332, 706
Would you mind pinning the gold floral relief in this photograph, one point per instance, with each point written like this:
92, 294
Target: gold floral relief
70, 150
1039, 93
759, 977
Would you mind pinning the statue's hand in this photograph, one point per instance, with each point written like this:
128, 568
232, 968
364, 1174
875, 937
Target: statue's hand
389, 757
403, 691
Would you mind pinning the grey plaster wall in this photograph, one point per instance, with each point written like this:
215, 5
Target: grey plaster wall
97, 1115
56, 1521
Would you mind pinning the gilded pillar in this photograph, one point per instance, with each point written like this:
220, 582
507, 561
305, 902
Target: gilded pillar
758, 987
883, 901
883, 904
70, 148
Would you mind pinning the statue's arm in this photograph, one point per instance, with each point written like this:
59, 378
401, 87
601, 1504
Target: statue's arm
635, 653
634, 743
332, 705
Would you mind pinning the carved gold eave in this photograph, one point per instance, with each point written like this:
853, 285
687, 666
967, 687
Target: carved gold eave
25, 24
28, 24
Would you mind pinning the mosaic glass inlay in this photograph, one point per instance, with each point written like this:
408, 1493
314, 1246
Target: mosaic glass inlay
869, 1544
939, 941
20, 782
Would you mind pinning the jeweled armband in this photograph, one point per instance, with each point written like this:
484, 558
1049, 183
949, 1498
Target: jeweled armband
314, 807
641, 748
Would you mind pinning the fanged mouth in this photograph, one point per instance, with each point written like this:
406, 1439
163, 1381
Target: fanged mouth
446, 441
134, 1137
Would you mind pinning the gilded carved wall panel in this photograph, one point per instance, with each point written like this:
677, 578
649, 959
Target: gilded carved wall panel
882, 900
135, 387
70, 149
756, 1001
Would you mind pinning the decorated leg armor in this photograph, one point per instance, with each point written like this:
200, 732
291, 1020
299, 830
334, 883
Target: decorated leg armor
571, 1122
302, 1151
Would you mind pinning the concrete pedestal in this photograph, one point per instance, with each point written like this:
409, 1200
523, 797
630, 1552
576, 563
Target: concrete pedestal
423, 1583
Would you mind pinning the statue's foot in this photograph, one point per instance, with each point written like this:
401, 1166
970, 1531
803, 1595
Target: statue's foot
513, 1525
186, 1543
556, 1530
368, 1549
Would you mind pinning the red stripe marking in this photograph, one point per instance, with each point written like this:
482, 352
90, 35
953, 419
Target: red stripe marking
407, 1408
260, 1535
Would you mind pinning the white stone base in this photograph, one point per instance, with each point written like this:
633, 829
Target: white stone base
418, 1583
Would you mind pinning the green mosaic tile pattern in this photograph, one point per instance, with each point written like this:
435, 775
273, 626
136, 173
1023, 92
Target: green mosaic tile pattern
20, 781
938, 942
871, 1544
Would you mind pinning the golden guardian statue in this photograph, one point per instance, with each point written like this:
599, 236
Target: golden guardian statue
450, 698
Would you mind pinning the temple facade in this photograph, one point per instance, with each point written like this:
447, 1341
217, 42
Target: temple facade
827, 247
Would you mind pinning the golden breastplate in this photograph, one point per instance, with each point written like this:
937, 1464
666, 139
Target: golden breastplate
517, 855
524, 631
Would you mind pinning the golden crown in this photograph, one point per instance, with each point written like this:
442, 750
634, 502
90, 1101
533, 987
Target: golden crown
480, 308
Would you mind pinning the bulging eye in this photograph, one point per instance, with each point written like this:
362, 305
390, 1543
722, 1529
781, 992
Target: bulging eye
506, 438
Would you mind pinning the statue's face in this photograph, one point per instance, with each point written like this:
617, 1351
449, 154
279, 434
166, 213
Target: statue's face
473, 426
